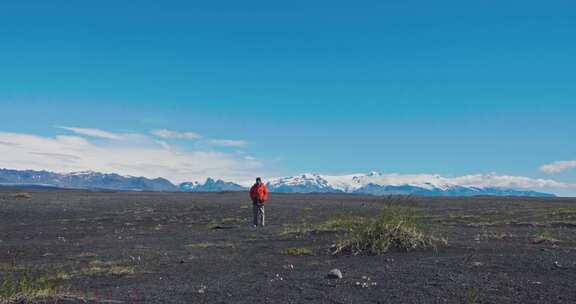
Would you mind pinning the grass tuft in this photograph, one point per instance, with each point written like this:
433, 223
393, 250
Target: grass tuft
340, 223
545, 237
343, 223
27, 288
395, 228
199, 245
297, 251
210, 245
23, 195
99, 268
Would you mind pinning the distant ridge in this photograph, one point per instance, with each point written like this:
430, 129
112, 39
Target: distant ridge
372, 183
84, 180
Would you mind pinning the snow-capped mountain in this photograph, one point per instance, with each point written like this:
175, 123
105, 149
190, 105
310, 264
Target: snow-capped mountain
304, 183
210, 185
375, 183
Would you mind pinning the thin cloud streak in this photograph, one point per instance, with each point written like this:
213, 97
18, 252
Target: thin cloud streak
93, 132
165, 133
558, 166
228, 143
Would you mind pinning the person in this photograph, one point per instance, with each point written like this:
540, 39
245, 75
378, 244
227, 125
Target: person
259, 196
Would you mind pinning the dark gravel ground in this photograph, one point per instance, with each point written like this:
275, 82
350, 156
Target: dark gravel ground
110, 247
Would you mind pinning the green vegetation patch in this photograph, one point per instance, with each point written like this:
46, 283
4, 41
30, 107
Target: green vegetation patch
397, 228
297, 251
545, 237
97, 267
209, 245
340, 223
27, 288
23, 195
541, 217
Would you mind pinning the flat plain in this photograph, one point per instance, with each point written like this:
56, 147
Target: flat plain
72, 246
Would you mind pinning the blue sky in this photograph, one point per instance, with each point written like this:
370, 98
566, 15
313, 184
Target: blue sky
443, 87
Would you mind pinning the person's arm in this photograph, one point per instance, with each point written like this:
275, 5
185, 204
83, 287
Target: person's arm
252, 194
264, 193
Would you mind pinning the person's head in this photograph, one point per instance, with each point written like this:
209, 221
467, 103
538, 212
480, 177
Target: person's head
258, 180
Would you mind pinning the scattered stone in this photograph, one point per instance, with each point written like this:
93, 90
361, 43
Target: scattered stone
202, 289
557, 265
334, 274
277, 277
362, 284
134, 258
367, 282
288, 267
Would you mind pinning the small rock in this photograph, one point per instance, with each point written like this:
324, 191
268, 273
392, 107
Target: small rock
334, 274
202, 289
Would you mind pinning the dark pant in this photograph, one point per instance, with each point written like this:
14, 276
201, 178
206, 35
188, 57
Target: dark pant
258, 212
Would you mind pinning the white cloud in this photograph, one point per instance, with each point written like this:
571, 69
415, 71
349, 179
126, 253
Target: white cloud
508, 181
93, 132
164, 133
138, 156
164, 145
228, 143
558, 166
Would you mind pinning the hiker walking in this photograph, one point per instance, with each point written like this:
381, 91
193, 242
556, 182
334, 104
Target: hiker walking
259, 196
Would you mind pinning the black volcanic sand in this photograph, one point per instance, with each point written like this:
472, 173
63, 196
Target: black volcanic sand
110, 247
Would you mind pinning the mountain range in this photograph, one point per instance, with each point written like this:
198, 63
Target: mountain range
373, 183
84, 180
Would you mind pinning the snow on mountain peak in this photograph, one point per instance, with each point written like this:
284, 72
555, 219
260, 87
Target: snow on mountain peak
81, 173
373, 183
419, 184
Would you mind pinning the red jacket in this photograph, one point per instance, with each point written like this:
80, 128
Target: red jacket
258, 193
